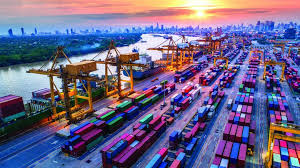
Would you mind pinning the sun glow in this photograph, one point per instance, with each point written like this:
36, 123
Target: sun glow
200, 13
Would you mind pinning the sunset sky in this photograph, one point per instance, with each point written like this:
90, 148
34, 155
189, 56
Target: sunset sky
86, 13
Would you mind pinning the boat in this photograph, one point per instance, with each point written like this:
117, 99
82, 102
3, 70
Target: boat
144, 72
166, 37
143, 41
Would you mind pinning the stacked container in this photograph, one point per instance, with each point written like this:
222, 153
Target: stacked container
11, 108
135, 144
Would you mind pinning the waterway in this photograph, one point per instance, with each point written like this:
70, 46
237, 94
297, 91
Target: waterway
15, 80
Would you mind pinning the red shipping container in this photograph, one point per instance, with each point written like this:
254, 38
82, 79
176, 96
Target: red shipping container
276, 150
179, 151
175, 164
202, 126
284, 164
239, 132
226, 131
78, 149
292, 153
249, 109
85, 129
227, 150
282, 143
220, 148
135, 132
187, 137
121, 154
248, 120
92, 135
130, 139
136, 126
232, 132
124, 136
242, 155
163, 152
195, 129
217, 160
141, 135
154, 122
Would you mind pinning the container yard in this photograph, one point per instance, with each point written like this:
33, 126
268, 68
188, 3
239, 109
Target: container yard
235, 106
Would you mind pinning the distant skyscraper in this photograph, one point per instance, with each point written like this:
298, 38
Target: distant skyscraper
162, 27
10, 32
157, 26
67, 31
35, 31
290, 33
22, 31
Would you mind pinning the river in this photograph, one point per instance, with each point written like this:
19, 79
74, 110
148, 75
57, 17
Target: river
15, 80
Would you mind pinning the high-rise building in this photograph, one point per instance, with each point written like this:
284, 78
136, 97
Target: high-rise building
162, 27
35, 31
67, 31
22, 31
10, 32
290, 33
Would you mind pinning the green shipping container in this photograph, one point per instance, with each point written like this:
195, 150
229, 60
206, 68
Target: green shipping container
154, 98
93, 120
94, 143
115, 122
147, 119
163, 82
108, 116
139, 98
146, 102
122, 104
15, 116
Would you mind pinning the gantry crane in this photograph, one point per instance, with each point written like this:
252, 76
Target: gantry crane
69, 74
290, 128
221, 58
293, 46
121, 62
178, 52
256, 51
274, 63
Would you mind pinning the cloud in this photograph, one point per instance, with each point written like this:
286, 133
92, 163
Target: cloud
235, 11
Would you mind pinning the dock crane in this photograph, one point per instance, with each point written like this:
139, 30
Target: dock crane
121, 62
177, 52
274, 63
221, 58
256, 51
273, 134
293, 46
69, 74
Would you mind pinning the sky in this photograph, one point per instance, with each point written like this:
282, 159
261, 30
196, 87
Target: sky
61, 14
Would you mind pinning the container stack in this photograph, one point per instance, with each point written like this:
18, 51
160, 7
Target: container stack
180, 102
184, 75
125, 150
292, 77
83, 137
239, 132
242, 58
207, 77
42, 93
11, 108
182, 143
286, 154
228, 76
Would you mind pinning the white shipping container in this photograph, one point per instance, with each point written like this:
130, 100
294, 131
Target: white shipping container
210, 115
239, 109
243, 115
173, 97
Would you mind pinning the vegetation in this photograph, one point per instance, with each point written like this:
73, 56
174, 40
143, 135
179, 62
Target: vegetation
27, 49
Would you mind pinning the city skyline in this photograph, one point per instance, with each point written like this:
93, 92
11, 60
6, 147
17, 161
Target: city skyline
49, 14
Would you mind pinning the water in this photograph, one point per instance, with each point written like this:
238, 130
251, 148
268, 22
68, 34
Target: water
15, 80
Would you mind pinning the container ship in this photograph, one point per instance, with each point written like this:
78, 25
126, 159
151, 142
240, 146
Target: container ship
144, 72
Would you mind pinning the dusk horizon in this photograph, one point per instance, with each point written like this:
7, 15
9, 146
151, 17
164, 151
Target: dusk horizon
50, 15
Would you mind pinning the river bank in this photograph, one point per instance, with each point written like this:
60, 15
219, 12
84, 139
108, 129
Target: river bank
31, 49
